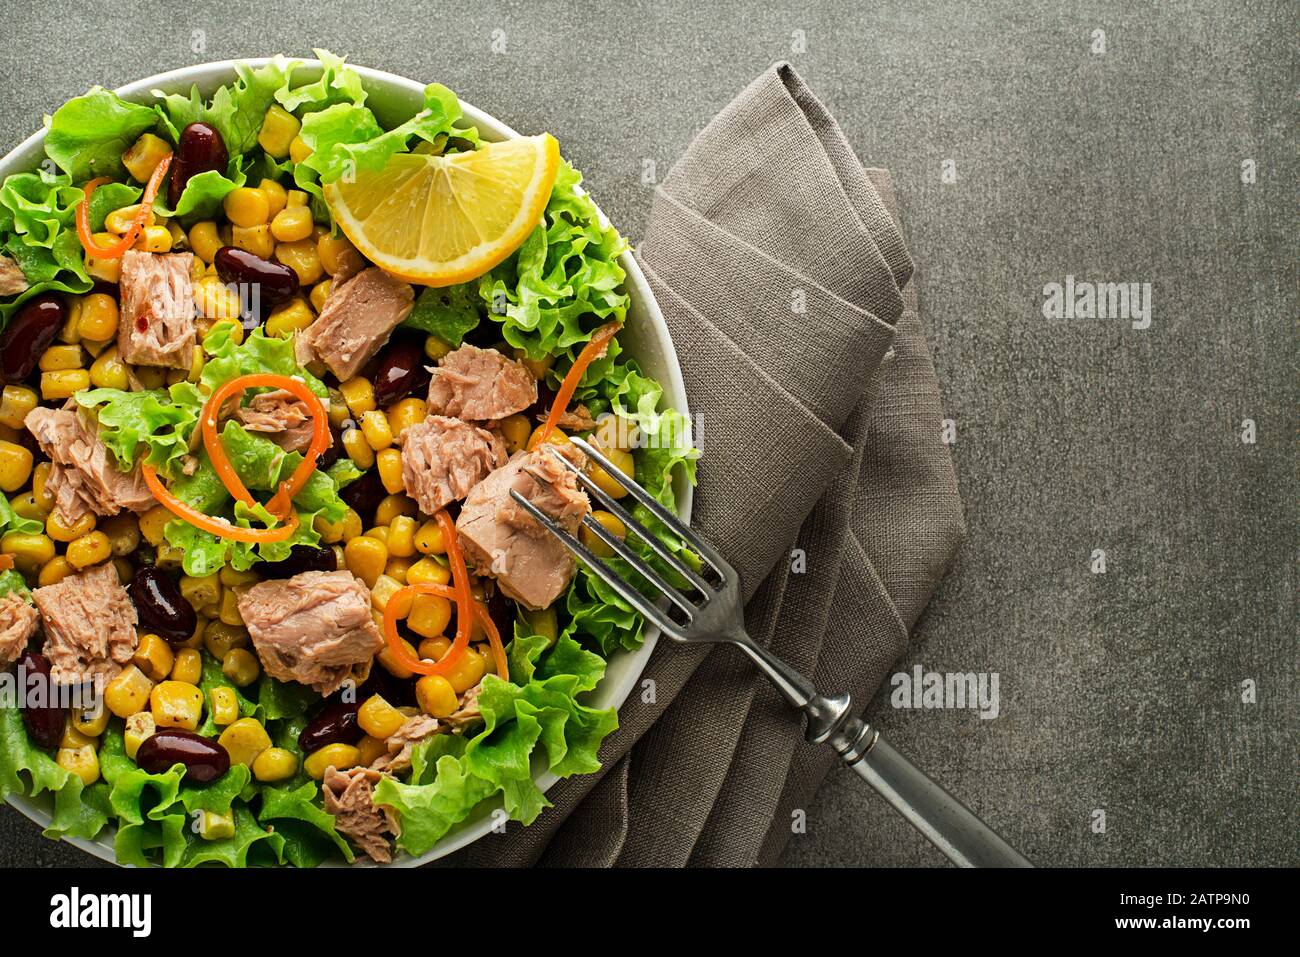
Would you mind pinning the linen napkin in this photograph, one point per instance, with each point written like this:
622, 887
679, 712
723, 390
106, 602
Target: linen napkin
780, 267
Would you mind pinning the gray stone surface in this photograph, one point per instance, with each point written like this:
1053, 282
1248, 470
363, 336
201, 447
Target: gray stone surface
1120, 692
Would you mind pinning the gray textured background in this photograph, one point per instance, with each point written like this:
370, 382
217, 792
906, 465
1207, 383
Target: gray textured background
1120, 691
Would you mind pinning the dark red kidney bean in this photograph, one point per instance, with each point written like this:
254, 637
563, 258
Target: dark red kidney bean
336, 723
204, 759
333, 451
365, 494
401, 371
276, 281
44, 723
201, 149
29, 334
302, 558
161, 606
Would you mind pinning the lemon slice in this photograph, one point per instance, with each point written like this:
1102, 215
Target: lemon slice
441, 220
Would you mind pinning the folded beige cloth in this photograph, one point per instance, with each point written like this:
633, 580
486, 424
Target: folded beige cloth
780, 267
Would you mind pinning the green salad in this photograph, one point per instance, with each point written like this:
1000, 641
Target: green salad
270, 374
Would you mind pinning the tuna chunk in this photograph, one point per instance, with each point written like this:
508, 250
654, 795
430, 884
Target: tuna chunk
156, 327
442, 459
89, 626
279, 415
84, 477
358, 317
502, 540
12, 279
18, 622
349, 796
467, 711
576, 418
481, 385
402, 743
314, 628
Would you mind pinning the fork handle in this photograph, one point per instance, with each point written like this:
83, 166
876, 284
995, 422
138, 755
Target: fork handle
943, 820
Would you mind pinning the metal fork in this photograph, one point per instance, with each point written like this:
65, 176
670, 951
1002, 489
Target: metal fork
713, 614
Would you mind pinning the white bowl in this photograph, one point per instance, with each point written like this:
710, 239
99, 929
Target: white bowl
394, 99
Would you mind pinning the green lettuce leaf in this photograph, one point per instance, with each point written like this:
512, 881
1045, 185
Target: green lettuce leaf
234, 851
38, 231
442, 792
162, 420
449, 312
87, 136
25, 769
338, 83
564, 281
145, 805
11, 521
236, 110
308, 828
258, 352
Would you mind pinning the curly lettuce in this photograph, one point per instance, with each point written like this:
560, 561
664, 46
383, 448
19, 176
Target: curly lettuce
87, 136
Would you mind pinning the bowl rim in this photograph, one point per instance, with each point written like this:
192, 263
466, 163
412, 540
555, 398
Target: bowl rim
28, 154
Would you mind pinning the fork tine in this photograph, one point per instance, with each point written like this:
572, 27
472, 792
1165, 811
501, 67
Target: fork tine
640, 566
648, 610
675, 524
624, 516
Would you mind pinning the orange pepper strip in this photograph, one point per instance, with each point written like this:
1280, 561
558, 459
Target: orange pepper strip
419, 665
6, 562
115, 251
282, 503
592, 351
464, 608
209, 523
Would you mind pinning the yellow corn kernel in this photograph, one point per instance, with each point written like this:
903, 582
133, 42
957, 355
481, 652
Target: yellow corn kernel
428, 540
292, 224
435, 696
246, 206
358, 449
405, 413
139, 726
276, 197
372, 749
216, 300
612, 525
73, 737
542, 623
389, 463
382, 590
401, 537
341, 756
40, 492
336, 253
63, 384
15, 465
232, 577
516, 430
60, 358
380, 532
467, 672
538, 367
154, 657
124, 570
176, 704
244, 740
319, 293
220, 638
58, 530
119, 221
333, 532
621, 459
228, 610
279, 129
225, 706
378, 718
289, 317
299, 150
89, 550
27, 506
82, 761
203, 594
374, 426
154, 239
338, 409
366, 557
179, 239
109, 372
90, 721
151, 377
144, 155
98, 317
188, 667
213, 826
152, 524
429, 615
204, 240
391, 506
300, 256
255, 239
276, 764
390, 663
427, 571
241, 666
123, 531
434, 648
359, 394
15, 402
70, 331
54, 571
397, 568
435, 347
169, 557
128, 692
109, 270
30, 550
